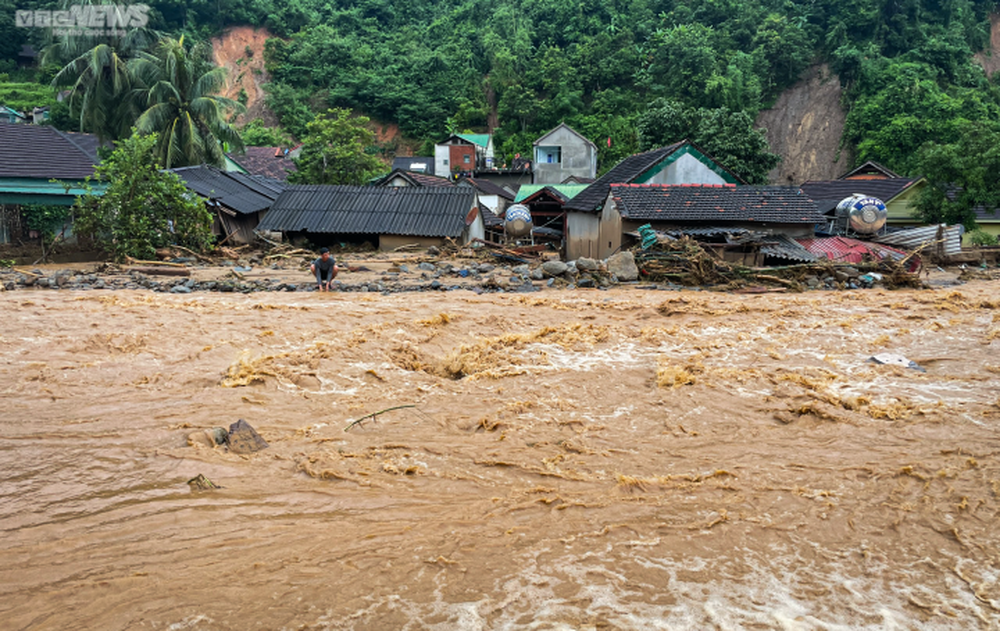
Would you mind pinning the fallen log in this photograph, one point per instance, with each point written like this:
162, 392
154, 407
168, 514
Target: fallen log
133, 261
775, 279
200, 257
161, 271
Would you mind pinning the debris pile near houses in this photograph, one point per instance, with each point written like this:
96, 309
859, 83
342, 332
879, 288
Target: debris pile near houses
686, 261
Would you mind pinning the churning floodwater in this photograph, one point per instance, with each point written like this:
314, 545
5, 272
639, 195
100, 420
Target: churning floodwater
572, 460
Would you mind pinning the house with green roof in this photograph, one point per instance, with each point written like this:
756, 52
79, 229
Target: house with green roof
463, 153
594, 228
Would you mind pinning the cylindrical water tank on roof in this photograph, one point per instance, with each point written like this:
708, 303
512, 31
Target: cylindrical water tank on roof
865, 215
517, 221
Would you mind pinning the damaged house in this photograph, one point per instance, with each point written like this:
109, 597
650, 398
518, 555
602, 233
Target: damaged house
589, 234
238, 201
741, 224
387, 217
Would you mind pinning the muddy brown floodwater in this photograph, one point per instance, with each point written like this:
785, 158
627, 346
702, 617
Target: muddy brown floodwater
575, 460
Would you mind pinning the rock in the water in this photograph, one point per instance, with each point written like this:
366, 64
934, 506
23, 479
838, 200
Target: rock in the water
622, 265
427, 267
521, 270
554, 268
537, 274
180, 289
244, 439
585, 264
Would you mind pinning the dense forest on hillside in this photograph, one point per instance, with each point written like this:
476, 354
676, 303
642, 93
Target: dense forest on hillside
606, 67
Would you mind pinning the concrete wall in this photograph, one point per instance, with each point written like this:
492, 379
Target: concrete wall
578, 157
594, 235
477, 230
686, 169
583, 231
611, 230
398, 181
442, 163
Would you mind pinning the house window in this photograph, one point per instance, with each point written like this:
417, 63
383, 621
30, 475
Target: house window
548, 155
466, 159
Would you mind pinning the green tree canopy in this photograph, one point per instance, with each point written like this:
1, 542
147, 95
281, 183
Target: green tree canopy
729, 137
143, 208
177, 91
256, 134
336, 151
961, 176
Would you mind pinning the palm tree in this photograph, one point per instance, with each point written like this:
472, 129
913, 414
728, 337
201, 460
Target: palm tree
177, 93
96, 71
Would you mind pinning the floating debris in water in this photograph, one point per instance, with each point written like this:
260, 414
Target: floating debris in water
201, 483
895, 360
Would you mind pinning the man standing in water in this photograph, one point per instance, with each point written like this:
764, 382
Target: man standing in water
325, 269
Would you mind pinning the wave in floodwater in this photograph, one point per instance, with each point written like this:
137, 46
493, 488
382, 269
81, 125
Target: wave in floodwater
704, 461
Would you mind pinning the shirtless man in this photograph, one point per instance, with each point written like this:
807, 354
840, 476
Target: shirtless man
325, 269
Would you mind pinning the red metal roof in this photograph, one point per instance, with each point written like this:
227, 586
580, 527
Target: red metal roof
847, 250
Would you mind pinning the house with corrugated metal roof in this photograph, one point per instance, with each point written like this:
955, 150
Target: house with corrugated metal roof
42, 166
238, 200
400, 177
546, 203
387, 217
463, 153
417, 164
706, 209
273, 162
593, 231
899, 193
491, 195
870, 180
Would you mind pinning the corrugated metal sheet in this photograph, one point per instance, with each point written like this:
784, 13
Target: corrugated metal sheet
784, 247
714, 203
409, 211
44, 152
243, 193
708, 231
775, 245
567, 191
950, 237
847, 250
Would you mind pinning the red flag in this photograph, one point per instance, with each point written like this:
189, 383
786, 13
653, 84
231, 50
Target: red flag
609, 141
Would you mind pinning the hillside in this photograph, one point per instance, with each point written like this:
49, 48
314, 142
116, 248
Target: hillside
892, 77
240, 50
805, 127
